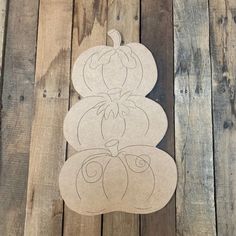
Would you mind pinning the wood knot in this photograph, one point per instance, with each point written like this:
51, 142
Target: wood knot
59, 93
198, 89
228, 124
235, 19
224, 68
223, 20
183, 67
223, 84
57, 208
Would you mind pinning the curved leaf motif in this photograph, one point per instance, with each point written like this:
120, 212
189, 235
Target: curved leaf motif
138, 164
101, 58
126, 57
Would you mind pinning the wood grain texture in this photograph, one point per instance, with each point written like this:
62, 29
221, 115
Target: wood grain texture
89, 29
47, 151
193, 120
223, 54
157, 35
123, 16
120, 223
3, 5
17, 111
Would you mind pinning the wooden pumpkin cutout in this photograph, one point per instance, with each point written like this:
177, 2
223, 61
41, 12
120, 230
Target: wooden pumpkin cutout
130, 67
131, 119
115, 129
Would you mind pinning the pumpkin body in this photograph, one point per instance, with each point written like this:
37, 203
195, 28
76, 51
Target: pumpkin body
128, 121
92, 76
95, 182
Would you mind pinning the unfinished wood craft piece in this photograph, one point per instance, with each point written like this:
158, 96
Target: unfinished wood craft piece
115, 129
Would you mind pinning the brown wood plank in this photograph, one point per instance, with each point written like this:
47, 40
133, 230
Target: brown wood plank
3, 5
223, 54
17, 111
123, 16
157, 35
89, 29
120, 223
47, 151
193, 120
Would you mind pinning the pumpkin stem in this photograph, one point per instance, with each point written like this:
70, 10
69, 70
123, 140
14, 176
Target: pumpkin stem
116, 38
112, 145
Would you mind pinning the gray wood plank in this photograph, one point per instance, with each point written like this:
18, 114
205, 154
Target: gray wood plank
3, 6
44, 208
17, 111
193, 120
89, 30
223, 54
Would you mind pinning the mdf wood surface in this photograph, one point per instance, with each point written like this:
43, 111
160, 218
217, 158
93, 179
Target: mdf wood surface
193, 43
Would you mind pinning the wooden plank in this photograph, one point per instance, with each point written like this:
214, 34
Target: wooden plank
47, 151
193, 119
157, 35
3, 5
17, 111
123, 16
89, 29
223, 54
119, 224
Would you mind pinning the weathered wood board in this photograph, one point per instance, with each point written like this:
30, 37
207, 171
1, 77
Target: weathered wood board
17, 110
195, 204
85, 35
3, 6
44, 209
157, 35
223, 55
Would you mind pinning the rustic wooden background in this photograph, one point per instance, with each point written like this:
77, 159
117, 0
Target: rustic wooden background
194, 45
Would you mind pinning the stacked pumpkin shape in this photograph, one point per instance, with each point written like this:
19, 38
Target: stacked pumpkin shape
115, 129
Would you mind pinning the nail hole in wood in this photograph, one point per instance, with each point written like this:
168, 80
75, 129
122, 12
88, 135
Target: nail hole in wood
22, 98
